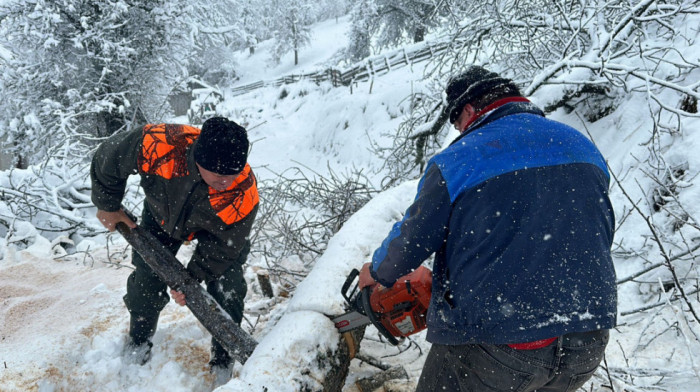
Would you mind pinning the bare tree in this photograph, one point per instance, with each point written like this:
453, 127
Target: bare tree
299, 214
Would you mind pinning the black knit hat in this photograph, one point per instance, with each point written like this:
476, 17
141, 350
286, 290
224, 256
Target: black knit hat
222, 147
476, 84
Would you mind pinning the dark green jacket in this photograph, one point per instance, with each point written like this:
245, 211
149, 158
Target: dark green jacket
186, 207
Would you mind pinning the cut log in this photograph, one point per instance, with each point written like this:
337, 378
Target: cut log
340, 362
373, 361
371, 383
213, 317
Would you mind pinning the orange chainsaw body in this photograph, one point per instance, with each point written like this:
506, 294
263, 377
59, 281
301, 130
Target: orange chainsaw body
402, 309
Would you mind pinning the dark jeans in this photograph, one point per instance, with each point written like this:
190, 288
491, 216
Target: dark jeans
146, 295
563, 366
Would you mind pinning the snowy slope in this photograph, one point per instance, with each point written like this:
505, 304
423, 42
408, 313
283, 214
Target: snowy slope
63, 320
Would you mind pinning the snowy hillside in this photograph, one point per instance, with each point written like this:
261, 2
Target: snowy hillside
63, 322
63, 318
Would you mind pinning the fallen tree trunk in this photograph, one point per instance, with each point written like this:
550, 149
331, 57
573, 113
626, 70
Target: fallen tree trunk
340, 365
340, 362
230, 335
303, 350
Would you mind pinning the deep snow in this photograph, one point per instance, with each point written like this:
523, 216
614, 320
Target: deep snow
63, 320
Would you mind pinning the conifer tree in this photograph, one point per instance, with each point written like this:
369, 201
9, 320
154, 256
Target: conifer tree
392, 22
363, 18
82, 69
293, 19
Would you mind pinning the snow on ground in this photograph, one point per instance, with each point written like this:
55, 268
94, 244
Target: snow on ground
63, 320
289, 346
63, 323
327, 38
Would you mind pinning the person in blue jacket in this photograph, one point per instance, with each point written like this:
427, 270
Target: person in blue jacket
517, 212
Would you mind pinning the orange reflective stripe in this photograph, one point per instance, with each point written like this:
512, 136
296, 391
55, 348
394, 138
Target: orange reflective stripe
236, 202
164, 148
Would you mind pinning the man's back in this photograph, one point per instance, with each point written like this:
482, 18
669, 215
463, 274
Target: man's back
527, 255
517, 213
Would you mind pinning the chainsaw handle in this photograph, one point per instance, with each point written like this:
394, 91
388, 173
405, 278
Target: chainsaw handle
367, 306
346, 286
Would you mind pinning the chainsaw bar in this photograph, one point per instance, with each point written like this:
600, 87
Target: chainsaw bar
355, 318
350, 320
361, 312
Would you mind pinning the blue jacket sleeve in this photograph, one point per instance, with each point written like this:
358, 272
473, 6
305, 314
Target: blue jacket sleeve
421, 232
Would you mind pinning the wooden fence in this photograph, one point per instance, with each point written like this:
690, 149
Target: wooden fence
361, 71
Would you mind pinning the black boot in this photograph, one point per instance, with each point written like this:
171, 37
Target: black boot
220, 364
138, 354
142, 328
138, 348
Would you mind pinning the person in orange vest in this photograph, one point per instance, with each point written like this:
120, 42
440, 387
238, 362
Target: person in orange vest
198, 186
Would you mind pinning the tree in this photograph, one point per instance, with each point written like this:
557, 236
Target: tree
363, 18
397, 20
82, 69
218, 28
255, 31
292, 32
327, 9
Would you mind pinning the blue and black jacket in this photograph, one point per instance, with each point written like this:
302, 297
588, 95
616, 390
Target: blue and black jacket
517, 213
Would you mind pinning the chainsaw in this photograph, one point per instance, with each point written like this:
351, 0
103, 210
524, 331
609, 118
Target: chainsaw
398, 311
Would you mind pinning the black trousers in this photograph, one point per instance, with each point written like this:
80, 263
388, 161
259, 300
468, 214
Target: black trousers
563, 366
146, 294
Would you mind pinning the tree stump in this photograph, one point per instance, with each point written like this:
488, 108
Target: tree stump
264, 281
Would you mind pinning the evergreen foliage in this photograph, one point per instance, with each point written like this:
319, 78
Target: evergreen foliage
392, 22
82, 69
363, 20
293, 19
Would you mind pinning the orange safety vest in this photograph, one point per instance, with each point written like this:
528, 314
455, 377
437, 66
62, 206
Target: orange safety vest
164, 149
236, 202
164, 153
